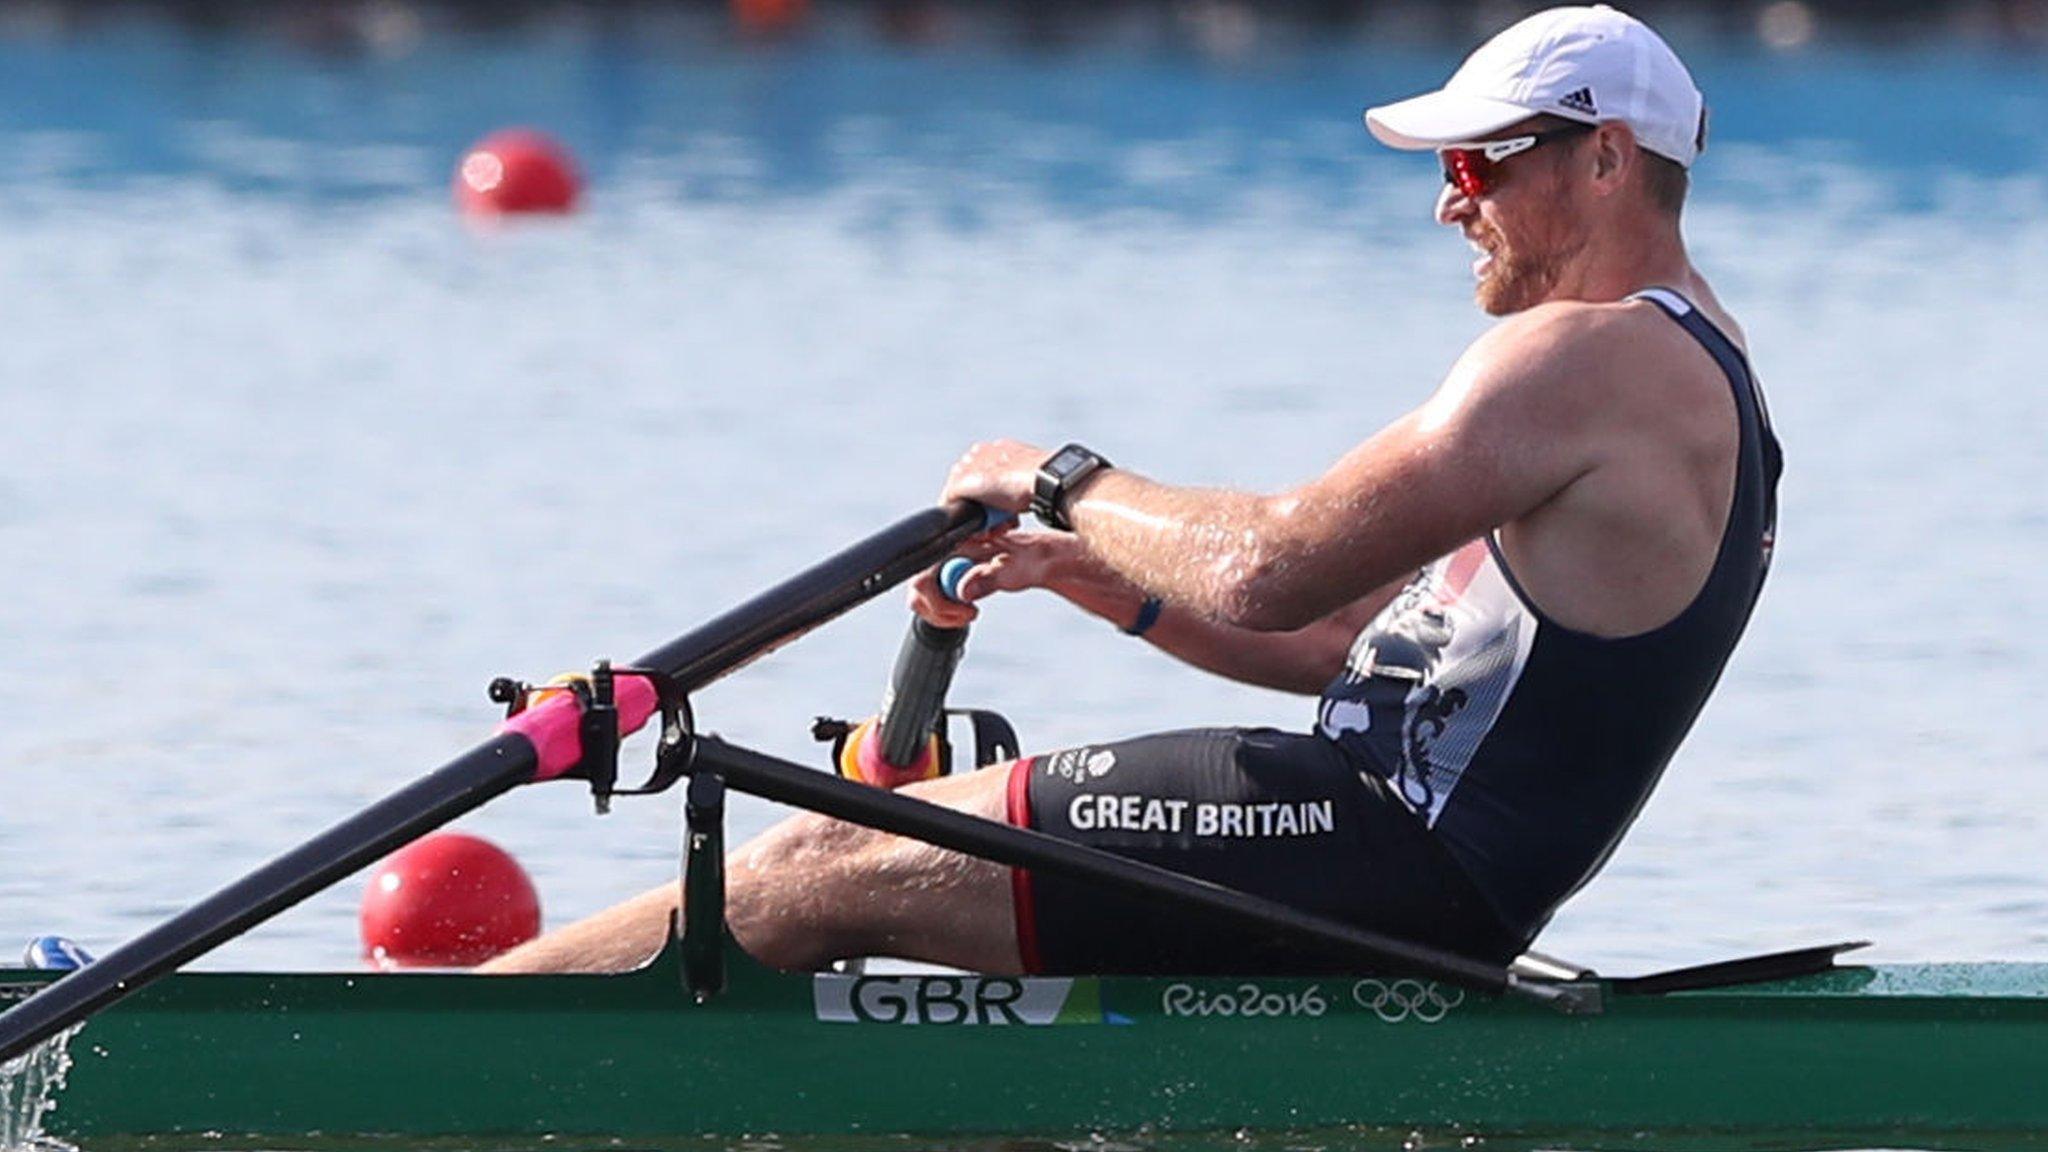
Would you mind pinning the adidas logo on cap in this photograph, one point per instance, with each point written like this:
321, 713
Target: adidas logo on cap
1580, 100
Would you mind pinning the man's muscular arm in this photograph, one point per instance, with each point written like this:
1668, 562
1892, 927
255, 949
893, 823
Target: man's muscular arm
1517, 421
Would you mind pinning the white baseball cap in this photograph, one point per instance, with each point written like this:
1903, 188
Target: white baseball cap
1586, 64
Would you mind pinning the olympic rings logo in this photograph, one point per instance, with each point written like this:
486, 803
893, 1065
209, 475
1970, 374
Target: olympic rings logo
1394, 1001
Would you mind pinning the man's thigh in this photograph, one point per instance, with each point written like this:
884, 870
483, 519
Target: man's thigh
1282, 815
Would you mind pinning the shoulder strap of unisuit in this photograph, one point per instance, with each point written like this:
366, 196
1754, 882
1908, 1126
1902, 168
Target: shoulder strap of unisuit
1733, 364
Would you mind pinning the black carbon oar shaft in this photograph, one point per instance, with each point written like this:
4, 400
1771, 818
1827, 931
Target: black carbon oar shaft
848, 579
842, 581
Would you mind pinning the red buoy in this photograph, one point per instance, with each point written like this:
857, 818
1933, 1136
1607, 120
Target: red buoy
769, 17
517, 170
447, 900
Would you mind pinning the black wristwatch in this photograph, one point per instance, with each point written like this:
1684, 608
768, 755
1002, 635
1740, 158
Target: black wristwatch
1058, 477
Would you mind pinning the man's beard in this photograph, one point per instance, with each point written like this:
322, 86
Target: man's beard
1514, 279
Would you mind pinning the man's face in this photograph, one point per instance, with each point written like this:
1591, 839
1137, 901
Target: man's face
1523, 224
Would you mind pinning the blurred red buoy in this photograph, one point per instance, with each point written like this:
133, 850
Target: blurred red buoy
517, 170
447, 900
769, 17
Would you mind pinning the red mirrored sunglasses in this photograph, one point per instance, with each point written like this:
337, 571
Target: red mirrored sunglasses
1474, 169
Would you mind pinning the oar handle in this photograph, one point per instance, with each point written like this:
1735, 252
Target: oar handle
923, 674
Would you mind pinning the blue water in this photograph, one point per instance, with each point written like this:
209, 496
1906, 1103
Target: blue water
292, 461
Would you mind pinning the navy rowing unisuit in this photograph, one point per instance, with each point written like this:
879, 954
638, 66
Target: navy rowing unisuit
1528, 747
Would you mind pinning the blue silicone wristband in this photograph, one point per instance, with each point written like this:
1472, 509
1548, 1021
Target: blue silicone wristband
1148, 615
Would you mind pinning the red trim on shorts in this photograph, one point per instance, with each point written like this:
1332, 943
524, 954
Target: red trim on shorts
1021, 898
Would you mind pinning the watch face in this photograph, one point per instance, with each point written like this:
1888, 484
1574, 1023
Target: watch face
1067, 461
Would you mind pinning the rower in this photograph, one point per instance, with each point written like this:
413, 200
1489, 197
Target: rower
1511, 603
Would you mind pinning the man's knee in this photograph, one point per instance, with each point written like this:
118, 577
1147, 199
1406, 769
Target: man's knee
812, 889
808, 844
788, 901
803, 844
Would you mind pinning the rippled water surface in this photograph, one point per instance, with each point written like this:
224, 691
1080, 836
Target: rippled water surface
292, 462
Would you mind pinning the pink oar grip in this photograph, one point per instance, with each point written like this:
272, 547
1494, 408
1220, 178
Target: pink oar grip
553, 726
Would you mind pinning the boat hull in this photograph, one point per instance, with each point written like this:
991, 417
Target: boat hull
1941, 1051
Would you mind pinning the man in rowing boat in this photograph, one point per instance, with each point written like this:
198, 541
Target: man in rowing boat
1513, 601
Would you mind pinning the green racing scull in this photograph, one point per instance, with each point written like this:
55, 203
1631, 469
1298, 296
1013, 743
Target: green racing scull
1948, 1053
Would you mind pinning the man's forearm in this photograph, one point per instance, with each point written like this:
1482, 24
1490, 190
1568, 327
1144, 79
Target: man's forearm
1207, 550
1302, 660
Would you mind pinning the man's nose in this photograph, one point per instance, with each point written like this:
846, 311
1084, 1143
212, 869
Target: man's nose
1452, 206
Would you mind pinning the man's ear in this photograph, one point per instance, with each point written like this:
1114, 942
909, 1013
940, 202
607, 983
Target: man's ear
1614, 156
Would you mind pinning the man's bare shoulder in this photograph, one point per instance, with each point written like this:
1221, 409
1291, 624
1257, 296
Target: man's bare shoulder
1574, 339
1555, 364
1576, 359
